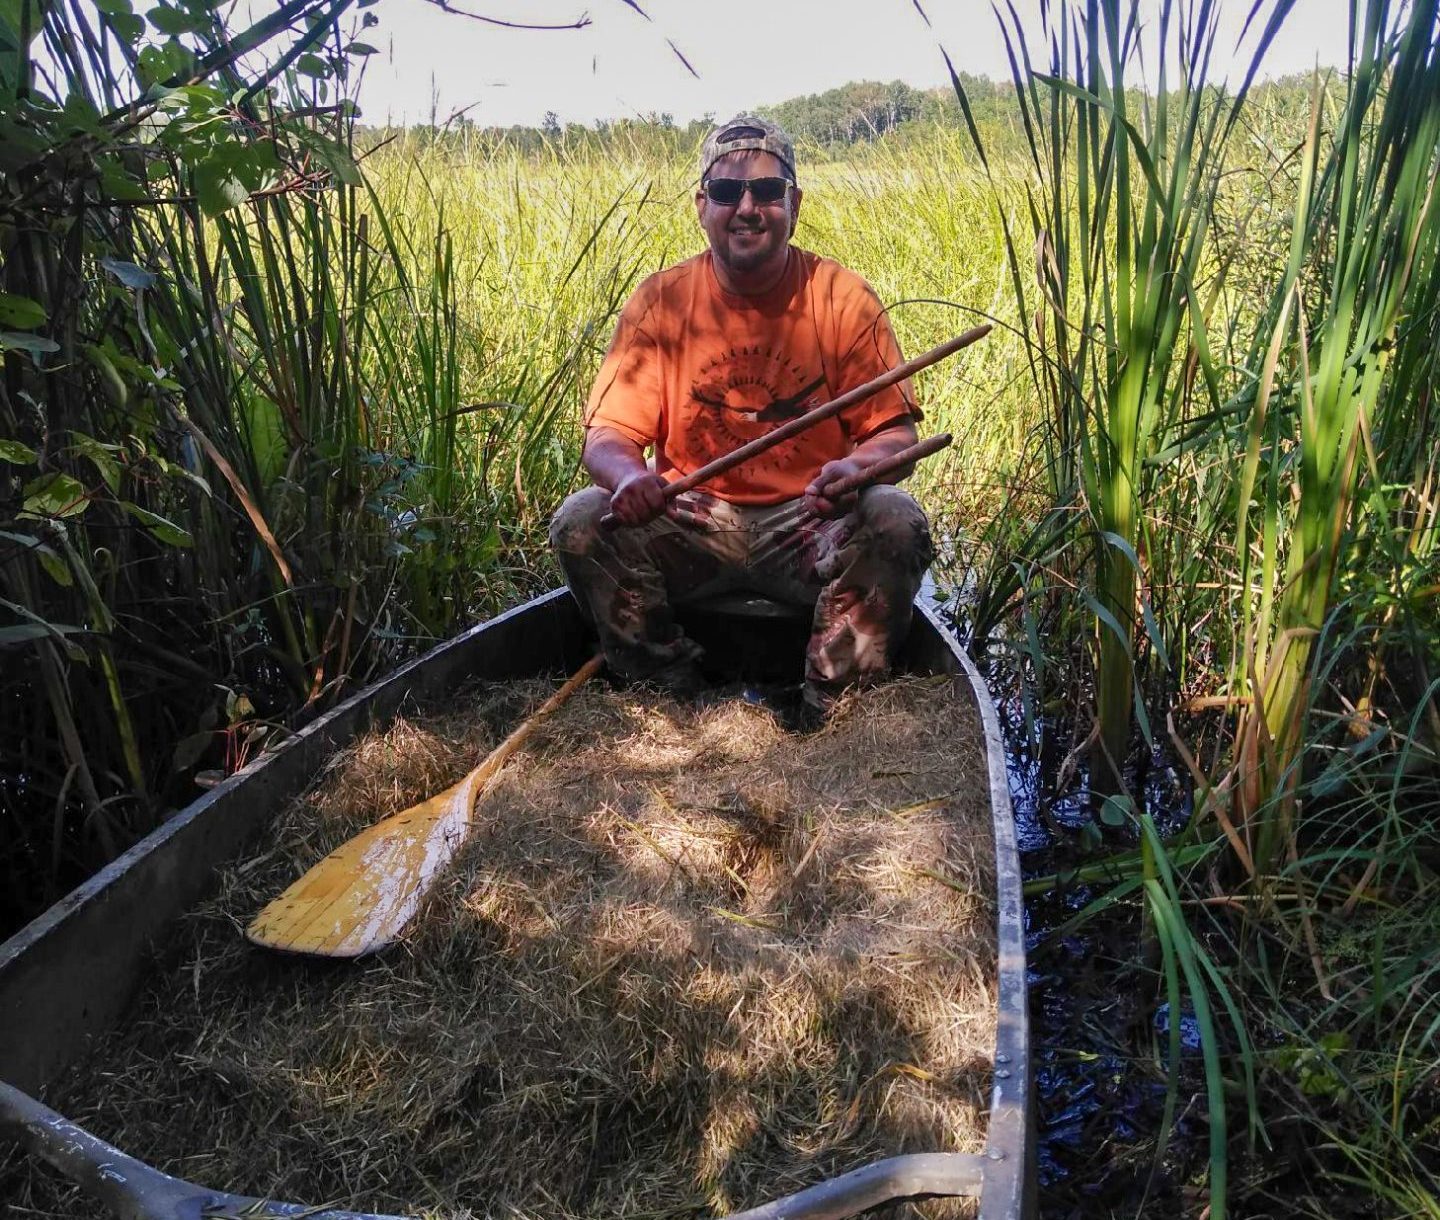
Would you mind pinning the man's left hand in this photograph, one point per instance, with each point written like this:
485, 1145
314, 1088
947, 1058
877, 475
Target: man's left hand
817, 504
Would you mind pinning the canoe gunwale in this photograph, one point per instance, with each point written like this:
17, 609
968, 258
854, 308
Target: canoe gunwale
54, 973
1008, 1192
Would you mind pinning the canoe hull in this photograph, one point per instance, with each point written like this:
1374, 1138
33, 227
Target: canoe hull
68, 976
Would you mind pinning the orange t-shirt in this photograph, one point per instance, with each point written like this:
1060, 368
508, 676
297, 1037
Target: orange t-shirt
697, 371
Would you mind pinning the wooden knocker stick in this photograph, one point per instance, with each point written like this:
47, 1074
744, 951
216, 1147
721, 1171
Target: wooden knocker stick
877, 471
796, 426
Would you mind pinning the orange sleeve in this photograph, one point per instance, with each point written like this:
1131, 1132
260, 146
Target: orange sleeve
867, 347
626, 395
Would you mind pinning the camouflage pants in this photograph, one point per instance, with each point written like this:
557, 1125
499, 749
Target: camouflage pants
860, 573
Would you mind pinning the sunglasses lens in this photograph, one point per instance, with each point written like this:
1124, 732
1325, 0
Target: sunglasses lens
725, 191
768, 190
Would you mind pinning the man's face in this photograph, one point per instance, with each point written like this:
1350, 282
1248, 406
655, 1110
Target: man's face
749, 239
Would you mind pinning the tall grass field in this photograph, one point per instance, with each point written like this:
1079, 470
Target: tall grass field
287, 400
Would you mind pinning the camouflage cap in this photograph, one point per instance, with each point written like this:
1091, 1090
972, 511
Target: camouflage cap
738, 135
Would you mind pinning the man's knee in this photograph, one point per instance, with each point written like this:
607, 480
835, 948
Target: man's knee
893, 522
576, 524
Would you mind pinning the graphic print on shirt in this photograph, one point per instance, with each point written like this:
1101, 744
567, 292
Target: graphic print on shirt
746, 392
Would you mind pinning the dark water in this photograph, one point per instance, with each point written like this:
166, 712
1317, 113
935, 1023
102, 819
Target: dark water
1099, 1029
1098, 1024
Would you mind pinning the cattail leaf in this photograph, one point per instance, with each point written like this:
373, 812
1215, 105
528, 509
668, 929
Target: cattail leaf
1142, 717
1110, 622
1152, 630
1338, 770
24, 633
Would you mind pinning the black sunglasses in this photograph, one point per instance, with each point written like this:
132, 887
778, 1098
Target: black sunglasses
728, 192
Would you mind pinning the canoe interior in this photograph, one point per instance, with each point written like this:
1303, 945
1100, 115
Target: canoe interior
69, 975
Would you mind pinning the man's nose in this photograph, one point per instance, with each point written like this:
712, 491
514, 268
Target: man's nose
747, 205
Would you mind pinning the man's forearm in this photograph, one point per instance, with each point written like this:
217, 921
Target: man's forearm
610, 457
884, 444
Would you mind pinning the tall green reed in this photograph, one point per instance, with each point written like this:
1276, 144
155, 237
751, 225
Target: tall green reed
1125, 174
1351, 307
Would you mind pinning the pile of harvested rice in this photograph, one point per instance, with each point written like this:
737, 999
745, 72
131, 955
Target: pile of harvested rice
687, 963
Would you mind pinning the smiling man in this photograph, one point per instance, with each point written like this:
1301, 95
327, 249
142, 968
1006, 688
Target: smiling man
712, 353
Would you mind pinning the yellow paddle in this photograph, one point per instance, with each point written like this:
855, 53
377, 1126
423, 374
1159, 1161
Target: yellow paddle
360, 897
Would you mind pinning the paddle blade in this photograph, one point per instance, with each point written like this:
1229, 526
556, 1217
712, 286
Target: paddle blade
360, 897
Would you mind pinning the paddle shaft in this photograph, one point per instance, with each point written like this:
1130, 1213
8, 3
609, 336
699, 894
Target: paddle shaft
496, 758
796, 426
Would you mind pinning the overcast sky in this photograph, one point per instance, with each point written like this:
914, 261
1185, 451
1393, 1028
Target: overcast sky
747, 53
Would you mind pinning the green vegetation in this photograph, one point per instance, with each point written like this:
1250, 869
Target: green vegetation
269, 423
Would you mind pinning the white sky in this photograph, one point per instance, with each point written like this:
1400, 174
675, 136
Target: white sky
747, 53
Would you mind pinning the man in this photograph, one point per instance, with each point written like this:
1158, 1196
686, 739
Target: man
707, 355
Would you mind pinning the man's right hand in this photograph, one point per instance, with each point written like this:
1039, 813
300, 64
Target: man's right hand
638, 498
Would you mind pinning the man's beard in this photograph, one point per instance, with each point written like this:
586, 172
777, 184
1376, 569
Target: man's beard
750, 257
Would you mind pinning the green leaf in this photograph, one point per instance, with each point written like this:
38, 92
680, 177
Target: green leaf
166, 531
23, 633
17, 454
55, 567
34, 345
312, 65
55, 495
1116, 810
20, 312
331, 155
155, 65
129, 274
361, 48
219, 184
81, 117
35, 628
190, 750
175, 22
117, 182
129, 27
102, 457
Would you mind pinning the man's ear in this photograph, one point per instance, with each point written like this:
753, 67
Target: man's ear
796, 194
700, 206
